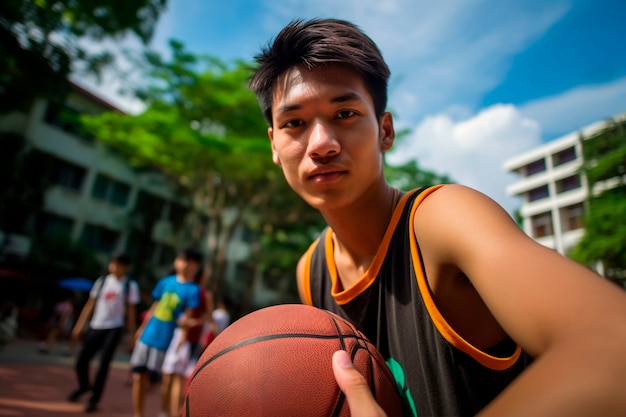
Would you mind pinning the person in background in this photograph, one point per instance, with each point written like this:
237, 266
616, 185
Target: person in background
183, 350
60, 323
112, 301
173, 296
8, 323
470, 313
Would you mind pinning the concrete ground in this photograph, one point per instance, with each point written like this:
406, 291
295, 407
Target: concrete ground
36, 385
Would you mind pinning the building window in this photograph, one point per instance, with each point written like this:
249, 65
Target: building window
66, 119
52, 225
564, 156
572, 217
110, 190
568, 184
99, 238
538, 193
542, 225
148, 207
68, 175
535, 167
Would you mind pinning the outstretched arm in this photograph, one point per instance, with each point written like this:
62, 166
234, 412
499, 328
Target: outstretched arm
571, 320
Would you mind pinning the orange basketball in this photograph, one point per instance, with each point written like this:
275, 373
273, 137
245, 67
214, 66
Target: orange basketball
276, 362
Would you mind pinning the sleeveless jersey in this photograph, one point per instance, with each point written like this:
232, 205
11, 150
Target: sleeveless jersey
438, 373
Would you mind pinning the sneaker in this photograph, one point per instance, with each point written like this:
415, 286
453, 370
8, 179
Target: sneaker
75, 395
91, 407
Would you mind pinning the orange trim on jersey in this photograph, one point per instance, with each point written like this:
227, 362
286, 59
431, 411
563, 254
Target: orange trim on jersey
491, 362
347, 295
306, 276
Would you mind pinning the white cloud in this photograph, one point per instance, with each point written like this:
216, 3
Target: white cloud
472, 151
577, 107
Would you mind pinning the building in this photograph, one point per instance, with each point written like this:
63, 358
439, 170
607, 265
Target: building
102, 203
553, 190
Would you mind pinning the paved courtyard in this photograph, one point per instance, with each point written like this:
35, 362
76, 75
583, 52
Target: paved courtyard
36, 385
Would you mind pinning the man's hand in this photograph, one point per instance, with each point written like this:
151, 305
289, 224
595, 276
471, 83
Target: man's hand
75, 338
354, 386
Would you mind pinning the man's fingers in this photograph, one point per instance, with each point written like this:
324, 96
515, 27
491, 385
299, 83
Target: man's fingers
354, 386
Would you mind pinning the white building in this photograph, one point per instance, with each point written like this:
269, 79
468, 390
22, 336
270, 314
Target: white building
94, 192
552, 189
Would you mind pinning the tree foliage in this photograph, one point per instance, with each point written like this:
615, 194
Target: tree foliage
204, 130
605, 229
43, 41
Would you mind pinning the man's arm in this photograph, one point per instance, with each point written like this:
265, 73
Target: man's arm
567, 317
146, 319
82, 319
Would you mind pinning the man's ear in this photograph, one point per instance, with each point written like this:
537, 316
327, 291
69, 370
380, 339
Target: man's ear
387, 132
275, 158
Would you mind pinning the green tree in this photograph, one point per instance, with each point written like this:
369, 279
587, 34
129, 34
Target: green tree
43, 41
605, 229
204, 130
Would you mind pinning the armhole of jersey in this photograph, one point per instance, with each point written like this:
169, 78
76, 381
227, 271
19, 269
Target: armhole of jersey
305, 283
446, 331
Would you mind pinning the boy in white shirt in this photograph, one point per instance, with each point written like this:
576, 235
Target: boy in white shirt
112, 300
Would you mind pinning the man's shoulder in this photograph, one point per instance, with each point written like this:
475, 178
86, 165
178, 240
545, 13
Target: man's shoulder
166, 279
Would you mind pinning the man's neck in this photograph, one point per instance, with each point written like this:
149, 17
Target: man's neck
358, 231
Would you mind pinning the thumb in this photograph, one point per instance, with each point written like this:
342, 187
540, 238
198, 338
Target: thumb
354, 386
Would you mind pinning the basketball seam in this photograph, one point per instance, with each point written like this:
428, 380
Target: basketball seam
265, 338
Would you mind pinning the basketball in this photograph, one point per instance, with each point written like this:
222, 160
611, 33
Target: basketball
276, 362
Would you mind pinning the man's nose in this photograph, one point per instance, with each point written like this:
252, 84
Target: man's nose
323, 141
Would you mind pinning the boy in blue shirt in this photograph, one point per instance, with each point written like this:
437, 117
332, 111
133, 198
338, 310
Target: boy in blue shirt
173, 295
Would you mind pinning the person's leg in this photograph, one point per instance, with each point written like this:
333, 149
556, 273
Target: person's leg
181, 361
168, 368
52, 337
111, 338
141, 362
176, 389
166, 386
140, 382
91, 345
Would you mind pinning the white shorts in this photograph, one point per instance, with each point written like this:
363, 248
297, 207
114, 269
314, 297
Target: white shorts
177, 358
146, 358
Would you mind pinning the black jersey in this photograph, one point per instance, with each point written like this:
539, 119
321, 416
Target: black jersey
437, 371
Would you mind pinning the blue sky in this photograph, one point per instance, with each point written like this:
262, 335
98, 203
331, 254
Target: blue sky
476, 81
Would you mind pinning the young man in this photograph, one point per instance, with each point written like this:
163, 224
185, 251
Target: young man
456, 297
173, 295
112, 300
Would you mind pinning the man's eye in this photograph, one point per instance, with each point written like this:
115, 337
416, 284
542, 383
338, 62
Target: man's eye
344, 114
293, 123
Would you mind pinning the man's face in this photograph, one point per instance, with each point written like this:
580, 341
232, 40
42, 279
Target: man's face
325, 135
118, 269
186, 267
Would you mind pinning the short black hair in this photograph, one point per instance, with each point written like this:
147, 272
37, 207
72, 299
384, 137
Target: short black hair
318, 43
121, 258
191, 254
